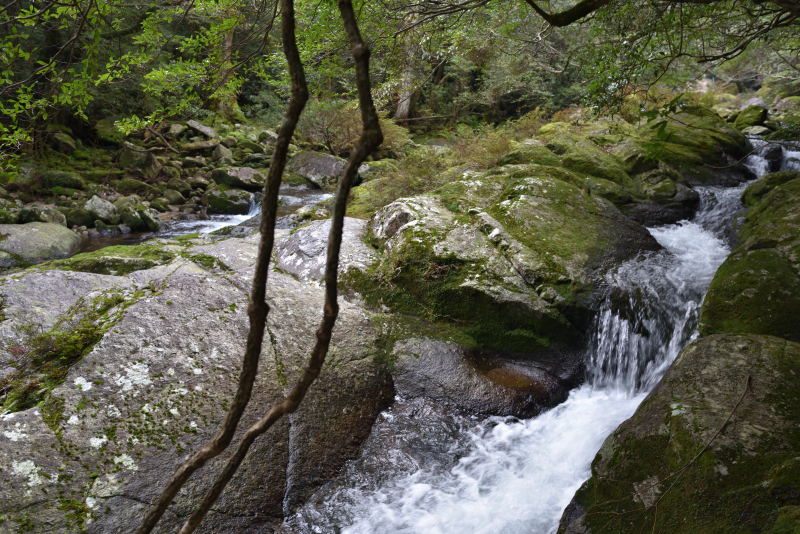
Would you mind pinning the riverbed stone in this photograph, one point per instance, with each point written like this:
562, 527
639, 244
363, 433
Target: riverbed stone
138, 158
224, 200
36, 242
101, 209
45, 214
220, 152
66, 179
245, 178
305, 253
201, 128
757, 288
63, 142
713, 448
753, 115
453, 376
322, 170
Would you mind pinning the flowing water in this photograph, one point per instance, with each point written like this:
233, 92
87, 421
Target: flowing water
425, 469
292, 198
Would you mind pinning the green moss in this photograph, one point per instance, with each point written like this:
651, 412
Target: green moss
50, 353
530, 154
118, 260
131, 185
589, 159
750, 116
76, 513
757, 288
756, 191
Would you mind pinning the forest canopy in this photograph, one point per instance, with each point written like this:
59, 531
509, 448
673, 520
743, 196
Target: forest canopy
455, 61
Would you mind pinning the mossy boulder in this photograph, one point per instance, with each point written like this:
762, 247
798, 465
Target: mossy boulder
225, 200
757, 289
132, 185
510, 256
9, 216
245, 178
750, 116
714, 448
530, 154
78, 217
137, 158
155, 381
44, 214
102, 209
754, 193
64, 179
376, 169
108, 132
322, 170
701, 146
62, 142
36, 241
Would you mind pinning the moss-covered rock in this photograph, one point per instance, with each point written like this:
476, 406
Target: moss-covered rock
714, 448
245, 178
64, 179
509, 256
228, 201
755, 192
36, 241
750, 116
757, 288
78, 217
131, 185
135, 157
530, 154
701, 146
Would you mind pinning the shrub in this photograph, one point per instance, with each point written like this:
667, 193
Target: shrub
529, 124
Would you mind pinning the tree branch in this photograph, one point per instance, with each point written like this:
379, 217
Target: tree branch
371, 138
257, 308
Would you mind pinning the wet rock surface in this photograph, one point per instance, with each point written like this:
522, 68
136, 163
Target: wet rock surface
453, 376
729, 397
157, 383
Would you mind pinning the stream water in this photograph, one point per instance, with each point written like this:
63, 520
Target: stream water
292, 198
425, 469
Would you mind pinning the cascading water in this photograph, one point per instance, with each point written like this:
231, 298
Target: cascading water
425, 470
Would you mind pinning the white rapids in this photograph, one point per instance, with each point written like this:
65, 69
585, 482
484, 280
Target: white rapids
426, 470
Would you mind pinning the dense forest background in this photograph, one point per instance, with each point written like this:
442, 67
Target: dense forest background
464, 66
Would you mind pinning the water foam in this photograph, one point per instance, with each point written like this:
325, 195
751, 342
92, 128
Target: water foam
423, 471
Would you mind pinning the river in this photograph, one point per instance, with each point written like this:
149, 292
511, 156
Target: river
425, 469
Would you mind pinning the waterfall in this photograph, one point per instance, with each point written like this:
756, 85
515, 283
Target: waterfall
425, 470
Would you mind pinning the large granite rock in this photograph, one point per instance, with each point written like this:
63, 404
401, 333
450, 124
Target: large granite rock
757, 289
157, 383
101, 209
245, 178
202, 129
36, 242
304, 253
322, 170
135, 157
714, 448
512, 257
222, 199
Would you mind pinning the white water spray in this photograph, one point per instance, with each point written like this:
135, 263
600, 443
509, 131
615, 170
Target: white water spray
423, 470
